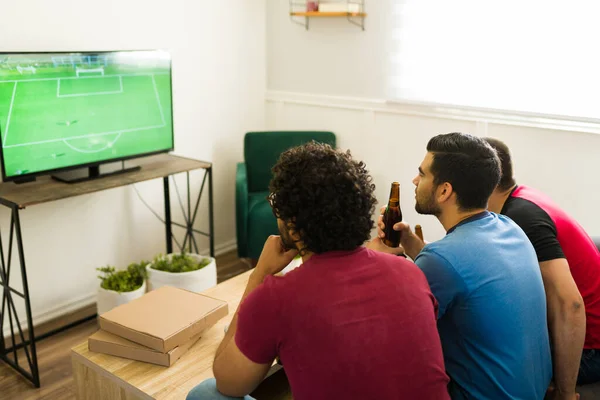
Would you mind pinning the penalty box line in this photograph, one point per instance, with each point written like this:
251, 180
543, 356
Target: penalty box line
5, 135
90, 93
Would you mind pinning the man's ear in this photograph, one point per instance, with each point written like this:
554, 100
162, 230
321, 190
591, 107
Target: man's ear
295, 235
444, 192
291, 228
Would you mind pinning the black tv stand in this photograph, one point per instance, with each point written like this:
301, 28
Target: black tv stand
90, 173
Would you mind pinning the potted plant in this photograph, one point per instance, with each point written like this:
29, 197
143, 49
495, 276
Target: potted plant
188, 271
120, 286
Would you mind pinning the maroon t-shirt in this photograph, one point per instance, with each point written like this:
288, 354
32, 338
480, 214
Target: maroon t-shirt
554, 234
348, 325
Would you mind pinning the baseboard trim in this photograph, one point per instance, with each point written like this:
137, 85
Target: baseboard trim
59, 315
221, 248
55, 314
63, 319
224, 247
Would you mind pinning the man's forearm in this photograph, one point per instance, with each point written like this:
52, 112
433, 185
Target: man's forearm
567, 329
253, 282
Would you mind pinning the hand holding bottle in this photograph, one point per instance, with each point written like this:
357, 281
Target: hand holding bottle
410, 242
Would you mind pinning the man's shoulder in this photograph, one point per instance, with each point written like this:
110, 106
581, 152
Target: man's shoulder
280, 281
525, 213
525, 199
390, 259
397, 268
520, 205
442, 252
528, 193
276, 288
475, 242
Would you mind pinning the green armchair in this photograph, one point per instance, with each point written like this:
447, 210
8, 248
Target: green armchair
254, 218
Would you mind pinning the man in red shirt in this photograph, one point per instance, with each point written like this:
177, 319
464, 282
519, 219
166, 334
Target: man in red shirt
349, 323
570, 265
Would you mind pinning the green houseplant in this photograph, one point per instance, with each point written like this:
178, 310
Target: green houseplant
126, 280
179, 263
188, 271
120, 286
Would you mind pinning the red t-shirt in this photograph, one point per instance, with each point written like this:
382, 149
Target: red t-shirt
554, 234
348, 325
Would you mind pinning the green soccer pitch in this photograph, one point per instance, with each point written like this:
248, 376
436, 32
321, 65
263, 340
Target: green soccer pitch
57, 117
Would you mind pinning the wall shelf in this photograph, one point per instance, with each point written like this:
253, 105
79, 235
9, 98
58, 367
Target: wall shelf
327, 14
300, 10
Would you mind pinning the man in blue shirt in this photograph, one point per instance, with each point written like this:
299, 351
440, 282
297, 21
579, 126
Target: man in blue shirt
484, 274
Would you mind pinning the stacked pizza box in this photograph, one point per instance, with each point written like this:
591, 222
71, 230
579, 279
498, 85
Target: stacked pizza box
159, 327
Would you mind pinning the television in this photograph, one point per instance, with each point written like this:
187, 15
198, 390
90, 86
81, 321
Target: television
66, 113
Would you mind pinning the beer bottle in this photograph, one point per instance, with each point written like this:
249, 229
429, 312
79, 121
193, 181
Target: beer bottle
419, 232
392, 216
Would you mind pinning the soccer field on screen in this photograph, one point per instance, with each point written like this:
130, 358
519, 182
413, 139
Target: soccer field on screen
55, 115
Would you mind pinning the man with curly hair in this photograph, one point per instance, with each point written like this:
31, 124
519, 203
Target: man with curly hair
349, 323
483, 273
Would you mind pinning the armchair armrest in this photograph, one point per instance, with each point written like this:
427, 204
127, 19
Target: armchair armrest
241, 209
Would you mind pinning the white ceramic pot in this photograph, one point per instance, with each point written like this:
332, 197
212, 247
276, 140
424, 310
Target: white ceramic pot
194, 281
109, 299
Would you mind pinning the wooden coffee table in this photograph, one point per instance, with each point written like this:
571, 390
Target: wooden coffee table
100, 376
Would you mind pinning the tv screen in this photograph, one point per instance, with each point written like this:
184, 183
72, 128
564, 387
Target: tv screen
65, 110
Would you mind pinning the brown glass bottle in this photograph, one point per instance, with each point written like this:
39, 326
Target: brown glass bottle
419, 232
392, 216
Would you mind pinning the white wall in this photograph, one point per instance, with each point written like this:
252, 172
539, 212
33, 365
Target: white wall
334, 77
333, 56
218, 50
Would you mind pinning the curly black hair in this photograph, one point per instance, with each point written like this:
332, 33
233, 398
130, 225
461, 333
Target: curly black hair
323, 196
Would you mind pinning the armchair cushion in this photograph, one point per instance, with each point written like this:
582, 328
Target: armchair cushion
262, 150
241, 208
254, 217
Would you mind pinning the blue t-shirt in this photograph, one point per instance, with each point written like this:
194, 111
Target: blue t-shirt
492, 310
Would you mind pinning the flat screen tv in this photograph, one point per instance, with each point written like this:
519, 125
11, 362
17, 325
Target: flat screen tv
63, 111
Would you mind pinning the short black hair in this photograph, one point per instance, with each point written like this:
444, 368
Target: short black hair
507, 179
469, 164
324, 196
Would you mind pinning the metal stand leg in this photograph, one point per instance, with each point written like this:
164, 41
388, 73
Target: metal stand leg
9, 308
168, 215
190, 215
211, 219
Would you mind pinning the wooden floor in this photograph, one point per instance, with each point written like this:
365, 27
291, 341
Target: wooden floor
54, 355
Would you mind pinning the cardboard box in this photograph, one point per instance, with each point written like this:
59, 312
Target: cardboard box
164, 318
107, 343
